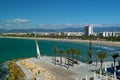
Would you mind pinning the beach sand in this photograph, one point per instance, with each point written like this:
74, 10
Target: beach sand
72, 40
84, 41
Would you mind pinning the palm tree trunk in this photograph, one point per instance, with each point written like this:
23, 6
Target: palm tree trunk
65, 59
90, 57
87, 58
61, 60
68, 62
55, 58
114, 65
77, 59
101, 64
72, 59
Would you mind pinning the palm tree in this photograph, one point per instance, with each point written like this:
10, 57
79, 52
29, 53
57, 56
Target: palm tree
65, 54
101, 55
77, 52
90, 49
89, 56
72, 52
55, 51
69, 52
61, 53
68, 55
115, 55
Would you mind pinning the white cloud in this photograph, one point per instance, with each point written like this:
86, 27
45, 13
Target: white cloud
14, 23
106, 25
18, 20
19, 24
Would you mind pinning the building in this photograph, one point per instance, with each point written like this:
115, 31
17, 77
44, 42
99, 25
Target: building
106, 34
113, 34
74, 33
116, 34
88, 30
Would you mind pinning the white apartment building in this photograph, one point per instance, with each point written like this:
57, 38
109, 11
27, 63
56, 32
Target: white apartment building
107, 34
88, 30
74, 33
117, 34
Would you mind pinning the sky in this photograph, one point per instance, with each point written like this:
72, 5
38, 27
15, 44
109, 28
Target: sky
19, 14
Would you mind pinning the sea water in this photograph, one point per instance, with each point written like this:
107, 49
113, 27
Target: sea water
11, 48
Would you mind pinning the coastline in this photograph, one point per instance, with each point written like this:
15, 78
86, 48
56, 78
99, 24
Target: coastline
44, 69
109, 43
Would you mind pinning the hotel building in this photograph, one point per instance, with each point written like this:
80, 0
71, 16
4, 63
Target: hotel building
88, 30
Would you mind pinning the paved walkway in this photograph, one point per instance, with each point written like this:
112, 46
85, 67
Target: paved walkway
27, 74
59, 73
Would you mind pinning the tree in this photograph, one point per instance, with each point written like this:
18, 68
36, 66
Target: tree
68, 55
114, 56
101, 55
69, 52
55, 52
61, 53
65, 54
90, 50
77, 52
72, 52
89, 56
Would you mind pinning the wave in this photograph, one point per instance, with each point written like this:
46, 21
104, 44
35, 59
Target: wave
104, 47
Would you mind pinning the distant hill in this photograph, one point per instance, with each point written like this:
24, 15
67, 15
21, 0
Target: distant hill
72, 29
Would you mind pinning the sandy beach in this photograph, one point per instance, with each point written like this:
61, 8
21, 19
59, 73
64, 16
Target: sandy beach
84, 41
72, 40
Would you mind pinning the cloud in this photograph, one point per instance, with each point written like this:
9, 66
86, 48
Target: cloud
60, 26
106, 25
18, 21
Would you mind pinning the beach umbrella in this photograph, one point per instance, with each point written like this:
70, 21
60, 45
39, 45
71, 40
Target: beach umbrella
94, 75
86, 77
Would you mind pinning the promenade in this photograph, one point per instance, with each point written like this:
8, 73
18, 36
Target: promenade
50, 71
27, 74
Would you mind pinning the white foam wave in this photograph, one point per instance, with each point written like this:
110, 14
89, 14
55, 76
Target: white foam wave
104, 47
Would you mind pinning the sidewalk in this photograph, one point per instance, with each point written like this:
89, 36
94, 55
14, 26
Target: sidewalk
27, 74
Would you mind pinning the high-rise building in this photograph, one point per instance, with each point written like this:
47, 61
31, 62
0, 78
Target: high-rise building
88, 30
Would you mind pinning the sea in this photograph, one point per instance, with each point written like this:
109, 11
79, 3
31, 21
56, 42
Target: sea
13, 48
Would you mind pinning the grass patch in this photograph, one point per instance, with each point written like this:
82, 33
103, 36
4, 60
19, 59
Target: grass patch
14, 71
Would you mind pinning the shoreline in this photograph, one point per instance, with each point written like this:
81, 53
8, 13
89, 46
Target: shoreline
109, 43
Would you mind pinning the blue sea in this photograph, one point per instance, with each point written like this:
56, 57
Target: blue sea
22, 48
